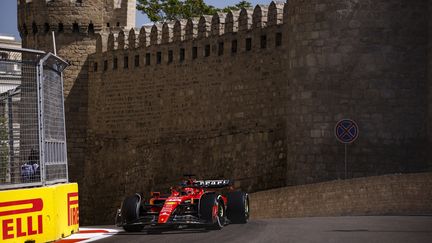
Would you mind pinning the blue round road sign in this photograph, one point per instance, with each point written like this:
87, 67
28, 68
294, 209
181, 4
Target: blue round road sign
346, 131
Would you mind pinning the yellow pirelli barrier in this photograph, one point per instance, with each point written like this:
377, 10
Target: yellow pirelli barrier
41, 214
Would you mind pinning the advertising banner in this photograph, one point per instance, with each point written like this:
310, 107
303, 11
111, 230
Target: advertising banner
39, 214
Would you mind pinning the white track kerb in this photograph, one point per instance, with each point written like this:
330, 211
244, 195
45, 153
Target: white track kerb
89, 235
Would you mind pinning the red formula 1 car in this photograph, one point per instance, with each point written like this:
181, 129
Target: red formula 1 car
195, 202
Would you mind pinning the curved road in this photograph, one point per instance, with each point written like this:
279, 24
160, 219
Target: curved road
380, 229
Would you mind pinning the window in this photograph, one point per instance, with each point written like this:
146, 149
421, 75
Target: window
148, 59
278, 39
182, 54
105, 65
263, 41
91, 28
34, 28
207, 50
158, 57
95, 66
170, 56
118, 24
126, 62
108, 25
75, 28
248, 44
194, 52
4, 56
234, 46
137, 61
115, 63
25, 29
60, 27
221, 49
46, 28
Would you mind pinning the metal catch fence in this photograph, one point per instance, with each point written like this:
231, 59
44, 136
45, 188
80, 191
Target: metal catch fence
32, 123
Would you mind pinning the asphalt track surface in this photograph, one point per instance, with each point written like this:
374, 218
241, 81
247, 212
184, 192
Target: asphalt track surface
368, 229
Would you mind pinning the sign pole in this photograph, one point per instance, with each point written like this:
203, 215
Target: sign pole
346, 131
346, 161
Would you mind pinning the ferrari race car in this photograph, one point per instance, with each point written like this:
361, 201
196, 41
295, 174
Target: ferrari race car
198, 203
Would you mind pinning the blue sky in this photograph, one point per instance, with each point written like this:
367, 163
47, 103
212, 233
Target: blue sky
8, 14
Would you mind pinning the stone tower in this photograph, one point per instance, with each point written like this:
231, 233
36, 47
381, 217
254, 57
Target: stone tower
76, 24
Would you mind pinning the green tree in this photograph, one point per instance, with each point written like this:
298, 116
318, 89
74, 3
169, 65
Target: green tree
238, 6
162, 10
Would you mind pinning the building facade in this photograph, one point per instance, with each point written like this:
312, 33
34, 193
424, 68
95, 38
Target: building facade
9, 70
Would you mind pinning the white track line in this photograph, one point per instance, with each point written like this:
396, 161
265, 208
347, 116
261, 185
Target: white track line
91, 236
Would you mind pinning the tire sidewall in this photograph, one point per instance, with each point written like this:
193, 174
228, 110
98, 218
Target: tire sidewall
130, 213
220, 219
207, 203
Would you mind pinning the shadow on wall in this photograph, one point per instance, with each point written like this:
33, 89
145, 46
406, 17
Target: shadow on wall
76, 107
430, 83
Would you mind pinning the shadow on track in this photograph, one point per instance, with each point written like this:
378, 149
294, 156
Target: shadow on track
165, 231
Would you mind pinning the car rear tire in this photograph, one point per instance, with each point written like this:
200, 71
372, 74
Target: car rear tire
130, 213
212, 210
238, 207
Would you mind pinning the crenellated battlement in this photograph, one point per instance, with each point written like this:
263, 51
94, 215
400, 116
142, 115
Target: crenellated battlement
245, 21
108, 4
39, 17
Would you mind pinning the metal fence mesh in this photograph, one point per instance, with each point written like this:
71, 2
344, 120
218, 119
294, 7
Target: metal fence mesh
53, 122
32, 141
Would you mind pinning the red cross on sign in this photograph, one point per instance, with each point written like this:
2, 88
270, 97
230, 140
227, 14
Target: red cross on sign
346, 131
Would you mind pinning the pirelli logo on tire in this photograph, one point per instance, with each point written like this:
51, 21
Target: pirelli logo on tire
39, 214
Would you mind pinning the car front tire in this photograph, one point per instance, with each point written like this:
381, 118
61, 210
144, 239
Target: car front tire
130, 213
212, 210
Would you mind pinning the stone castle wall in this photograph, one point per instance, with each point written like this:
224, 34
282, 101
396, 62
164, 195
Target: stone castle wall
263, 116
358, 60
378, 195
216, 116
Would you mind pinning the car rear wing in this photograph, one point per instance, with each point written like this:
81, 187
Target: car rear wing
213, 183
